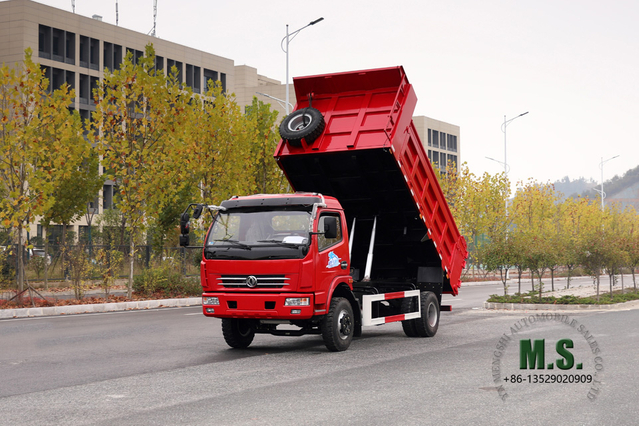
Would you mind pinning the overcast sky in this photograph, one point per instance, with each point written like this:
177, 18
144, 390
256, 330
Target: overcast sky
574, 65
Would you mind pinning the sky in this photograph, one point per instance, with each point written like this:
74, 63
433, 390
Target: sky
572, 65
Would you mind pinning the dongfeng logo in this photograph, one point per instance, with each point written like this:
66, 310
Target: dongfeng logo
251, 281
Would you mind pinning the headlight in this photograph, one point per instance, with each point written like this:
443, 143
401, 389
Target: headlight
297, 301
210, 301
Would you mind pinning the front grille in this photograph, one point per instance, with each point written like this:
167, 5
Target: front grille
252, 281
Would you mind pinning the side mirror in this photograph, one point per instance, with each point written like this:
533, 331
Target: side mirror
330, 227
184, 229
197, 212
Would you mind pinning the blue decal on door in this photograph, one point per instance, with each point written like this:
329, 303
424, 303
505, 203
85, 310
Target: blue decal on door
333, 260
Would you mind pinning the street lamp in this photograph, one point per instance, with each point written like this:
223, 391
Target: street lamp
601, 191
503, 129
288, 39
278, 100
506, 166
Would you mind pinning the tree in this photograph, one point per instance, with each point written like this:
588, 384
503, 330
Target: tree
533, 211
73, 193
592, 246
218, 150
138, 127
35, 137
267, 176
477, 204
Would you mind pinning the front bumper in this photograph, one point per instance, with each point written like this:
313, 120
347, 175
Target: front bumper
257, 306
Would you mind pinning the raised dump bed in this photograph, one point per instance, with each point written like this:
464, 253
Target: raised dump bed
369, 156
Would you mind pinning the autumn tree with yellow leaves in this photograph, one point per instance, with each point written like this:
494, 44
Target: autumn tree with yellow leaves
40, 143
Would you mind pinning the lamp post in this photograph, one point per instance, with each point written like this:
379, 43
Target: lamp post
601, 191
503, 129
288, 39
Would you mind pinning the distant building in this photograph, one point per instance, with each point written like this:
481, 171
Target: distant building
441, 140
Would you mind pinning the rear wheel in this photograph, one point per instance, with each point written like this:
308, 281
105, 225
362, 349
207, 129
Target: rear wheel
409, 326
238, 333
427, 325
338, 325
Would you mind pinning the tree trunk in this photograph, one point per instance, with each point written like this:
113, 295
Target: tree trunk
20, 264
63, 256
46, 254
519, 272
129, 291
504, 277
611, 278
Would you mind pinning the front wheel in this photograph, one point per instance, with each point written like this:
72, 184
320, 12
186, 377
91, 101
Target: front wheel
238, 333
338, 325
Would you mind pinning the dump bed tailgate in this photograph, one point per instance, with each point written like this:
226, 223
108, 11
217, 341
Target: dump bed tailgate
371, 159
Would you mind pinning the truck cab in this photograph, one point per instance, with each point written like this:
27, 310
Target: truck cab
275, 259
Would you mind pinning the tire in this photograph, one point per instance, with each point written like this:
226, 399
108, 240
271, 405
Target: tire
338, 325
409, 326
307, 124
238, 333
427, 325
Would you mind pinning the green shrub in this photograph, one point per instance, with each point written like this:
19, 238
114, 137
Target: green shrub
604, 298
166, 281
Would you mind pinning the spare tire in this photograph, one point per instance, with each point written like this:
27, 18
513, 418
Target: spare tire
306, 123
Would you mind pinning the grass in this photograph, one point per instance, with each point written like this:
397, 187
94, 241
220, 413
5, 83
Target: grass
533, 298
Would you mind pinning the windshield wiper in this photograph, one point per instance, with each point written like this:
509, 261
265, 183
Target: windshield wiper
281, 243
236, 242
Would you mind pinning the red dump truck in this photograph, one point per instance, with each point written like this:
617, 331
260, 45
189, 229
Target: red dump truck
366, 239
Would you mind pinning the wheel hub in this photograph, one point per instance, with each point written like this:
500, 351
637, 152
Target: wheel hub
300, 122
345, 325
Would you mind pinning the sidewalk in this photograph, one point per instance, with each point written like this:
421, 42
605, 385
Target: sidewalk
94, 307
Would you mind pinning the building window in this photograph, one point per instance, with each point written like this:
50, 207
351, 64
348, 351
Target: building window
44, 41
135, 55
95, 82
452, 142
452, 160
223, 81
170, 63
209, 76
46, 72
193, 77
435, 139
117, 56
430, 142
107, 56
107, 197
159, 63
69, 49
57, 50
85, 89
84, 51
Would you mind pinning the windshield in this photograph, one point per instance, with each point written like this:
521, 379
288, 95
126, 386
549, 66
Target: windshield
248, 229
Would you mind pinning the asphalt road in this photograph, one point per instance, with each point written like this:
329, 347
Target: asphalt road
171, 366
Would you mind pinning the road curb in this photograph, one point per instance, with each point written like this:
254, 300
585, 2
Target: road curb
98, 307
546, 307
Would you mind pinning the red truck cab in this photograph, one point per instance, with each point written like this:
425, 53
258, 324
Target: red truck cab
287, 230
